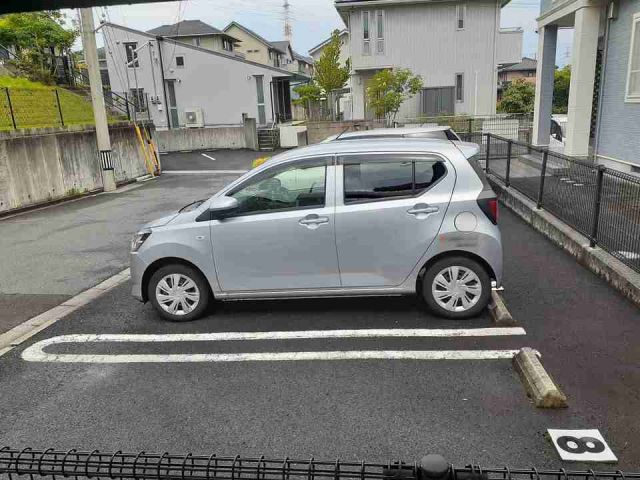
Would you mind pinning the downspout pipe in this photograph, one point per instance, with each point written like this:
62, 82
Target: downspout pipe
164, 83
603, 67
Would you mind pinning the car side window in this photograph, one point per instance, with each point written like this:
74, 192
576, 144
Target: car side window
296, 186
380, 180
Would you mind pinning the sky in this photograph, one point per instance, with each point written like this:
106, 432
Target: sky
312, 20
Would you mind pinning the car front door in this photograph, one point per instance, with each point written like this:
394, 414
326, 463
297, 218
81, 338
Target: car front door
282, 235
389, 208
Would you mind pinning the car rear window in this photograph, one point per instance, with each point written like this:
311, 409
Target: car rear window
366, 181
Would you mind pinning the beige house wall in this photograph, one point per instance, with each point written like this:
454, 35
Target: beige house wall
248, 42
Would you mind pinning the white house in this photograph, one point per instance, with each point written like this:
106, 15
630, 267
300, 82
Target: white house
454, 46
187, 85
316, 51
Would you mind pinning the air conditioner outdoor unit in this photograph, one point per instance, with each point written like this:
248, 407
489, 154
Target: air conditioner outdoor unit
194, 118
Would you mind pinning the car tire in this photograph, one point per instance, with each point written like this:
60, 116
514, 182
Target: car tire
464, 299
188, 301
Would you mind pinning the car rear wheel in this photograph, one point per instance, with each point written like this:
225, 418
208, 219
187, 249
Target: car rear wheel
456, 287
179, 293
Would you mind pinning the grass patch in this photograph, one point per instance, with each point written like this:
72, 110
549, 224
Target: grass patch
35, 105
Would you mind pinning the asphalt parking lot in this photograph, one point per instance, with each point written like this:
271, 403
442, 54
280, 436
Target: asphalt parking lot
226, 160
468, 409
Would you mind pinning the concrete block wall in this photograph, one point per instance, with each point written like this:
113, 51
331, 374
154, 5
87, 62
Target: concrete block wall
207, 138
43, 165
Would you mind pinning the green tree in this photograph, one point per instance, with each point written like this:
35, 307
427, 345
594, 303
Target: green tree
561, 80
388, 89
329, 74
518, 97
36, 36
309, 96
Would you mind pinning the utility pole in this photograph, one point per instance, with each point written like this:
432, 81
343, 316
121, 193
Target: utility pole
97, 98
287, 30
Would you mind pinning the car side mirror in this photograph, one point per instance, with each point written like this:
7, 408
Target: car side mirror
218, 209
223, 204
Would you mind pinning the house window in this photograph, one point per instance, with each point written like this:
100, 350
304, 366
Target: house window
459, 87
461, 11
137, 97
227, 45
633, 73
196, 41
180, 61
380, 31
366, 47
132, 54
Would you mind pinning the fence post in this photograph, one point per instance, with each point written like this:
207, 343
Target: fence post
507, 177
596, 207
13, 117
126, 102
470, 127
486, 163
59, 107
543, 172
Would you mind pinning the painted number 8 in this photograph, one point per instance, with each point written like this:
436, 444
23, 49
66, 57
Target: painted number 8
580, 445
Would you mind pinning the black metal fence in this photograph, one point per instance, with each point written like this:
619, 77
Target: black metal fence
599, 202
58, 107
99, 465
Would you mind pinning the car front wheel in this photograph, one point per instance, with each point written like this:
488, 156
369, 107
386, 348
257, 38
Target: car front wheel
179, 293
456, 287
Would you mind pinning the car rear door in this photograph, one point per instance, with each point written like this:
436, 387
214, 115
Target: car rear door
389, 208
282, 236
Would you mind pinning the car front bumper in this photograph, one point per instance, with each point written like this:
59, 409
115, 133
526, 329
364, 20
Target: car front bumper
138, 267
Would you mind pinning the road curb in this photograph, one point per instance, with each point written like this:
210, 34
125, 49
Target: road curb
603, 264
537, 382
29, 328
499, 312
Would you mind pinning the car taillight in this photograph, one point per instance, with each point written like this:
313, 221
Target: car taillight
490, 208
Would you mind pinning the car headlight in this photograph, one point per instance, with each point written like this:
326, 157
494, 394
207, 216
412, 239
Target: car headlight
139, 238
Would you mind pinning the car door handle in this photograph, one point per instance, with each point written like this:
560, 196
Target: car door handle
422, 208
313, 221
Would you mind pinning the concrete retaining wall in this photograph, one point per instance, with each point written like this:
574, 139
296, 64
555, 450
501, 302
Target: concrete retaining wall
208, 138
616, 273
318, 131
43, 165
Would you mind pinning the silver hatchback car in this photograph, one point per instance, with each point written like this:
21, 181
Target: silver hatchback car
364, 217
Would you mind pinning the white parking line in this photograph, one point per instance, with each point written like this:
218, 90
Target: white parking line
286, 335
36, 353
207, 156
33, 354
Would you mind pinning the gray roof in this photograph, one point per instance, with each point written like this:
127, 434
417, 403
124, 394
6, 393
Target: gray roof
526, 64
186, 28
282, 45
302, 58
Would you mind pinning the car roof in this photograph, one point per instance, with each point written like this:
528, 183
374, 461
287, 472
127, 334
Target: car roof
399, 145
388, 132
